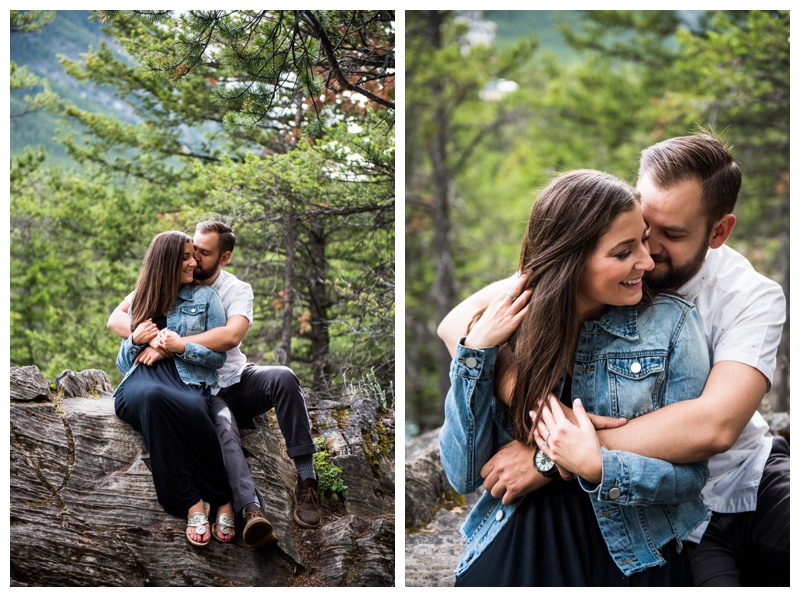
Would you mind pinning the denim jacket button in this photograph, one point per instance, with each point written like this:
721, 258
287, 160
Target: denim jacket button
471, 362
613, 493
499, 516
636, 367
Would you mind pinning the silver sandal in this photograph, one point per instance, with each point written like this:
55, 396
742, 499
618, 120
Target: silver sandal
225, 523
199, 522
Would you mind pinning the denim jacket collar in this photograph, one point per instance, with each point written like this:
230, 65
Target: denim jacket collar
621, 322
186, 292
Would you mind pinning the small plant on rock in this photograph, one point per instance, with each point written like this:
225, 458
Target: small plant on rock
329, 475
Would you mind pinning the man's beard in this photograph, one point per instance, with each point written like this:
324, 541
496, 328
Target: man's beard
205, 274
675, 277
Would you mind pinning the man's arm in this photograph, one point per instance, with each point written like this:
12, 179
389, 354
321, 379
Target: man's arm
694, 430
222, 339
219, 339
119, 321
454, 325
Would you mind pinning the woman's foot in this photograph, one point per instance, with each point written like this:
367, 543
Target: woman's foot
197, 527
223, 528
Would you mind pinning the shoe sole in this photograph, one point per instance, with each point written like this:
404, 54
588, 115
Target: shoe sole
258, 533
305, 525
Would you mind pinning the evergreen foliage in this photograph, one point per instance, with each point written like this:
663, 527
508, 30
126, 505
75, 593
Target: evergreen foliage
314, 215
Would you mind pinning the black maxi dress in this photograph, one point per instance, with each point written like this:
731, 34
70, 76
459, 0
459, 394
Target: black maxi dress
185, 453
553, 540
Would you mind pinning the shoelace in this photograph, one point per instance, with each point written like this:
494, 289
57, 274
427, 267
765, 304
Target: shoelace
311, 496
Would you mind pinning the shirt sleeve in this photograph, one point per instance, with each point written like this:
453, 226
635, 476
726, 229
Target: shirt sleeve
241, 302
751, 330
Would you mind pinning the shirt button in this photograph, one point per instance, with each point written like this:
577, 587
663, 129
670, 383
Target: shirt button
613, 493
193, 309
471, 362
636, 367
499, 516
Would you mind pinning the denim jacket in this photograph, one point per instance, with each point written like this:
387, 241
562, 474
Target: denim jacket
626, 364
197, 309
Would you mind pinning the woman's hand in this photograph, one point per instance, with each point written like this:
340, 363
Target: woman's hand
170, 341
144, 332
572, 447
501, 317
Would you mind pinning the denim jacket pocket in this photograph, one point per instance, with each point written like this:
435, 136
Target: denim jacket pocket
632, 376
193, 318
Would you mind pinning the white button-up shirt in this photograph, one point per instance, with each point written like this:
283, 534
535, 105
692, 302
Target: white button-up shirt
742, 314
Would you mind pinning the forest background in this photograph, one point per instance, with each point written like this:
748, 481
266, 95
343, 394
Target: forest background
279, 122
499, 101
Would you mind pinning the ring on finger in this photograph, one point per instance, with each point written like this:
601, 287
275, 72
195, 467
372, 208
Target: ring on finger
511, 296
546, 445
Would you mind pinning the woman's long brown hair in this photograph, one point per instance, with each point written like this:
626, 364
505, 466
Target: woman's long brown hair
566, 223
160, 277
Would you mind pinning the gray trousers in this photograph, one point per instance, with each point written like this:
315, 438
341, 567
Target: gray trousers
260, 389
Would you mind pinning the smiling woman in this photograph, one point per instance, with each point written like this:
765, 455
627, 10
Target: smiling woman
163, 399
613, 274
592, 331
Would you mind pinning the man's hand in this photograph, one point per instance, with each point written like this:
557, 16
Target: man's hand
510, 475
150, 355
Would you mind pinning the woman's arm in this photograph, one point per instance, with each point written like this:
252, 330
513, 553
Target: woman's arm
468, 439
132, 345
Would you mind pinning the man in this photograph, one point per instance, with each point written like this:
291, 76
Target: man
689, 187
243, 390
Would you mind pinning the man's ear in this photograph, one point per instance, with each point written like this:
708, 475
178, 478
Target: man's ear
721, 231
225, 258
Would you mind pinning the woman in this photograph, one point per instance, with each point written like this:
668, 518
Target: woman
168, 401
576, 325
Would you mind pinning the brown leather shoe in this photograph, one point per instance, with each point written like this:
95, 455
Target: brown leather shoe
306, 503
257, 529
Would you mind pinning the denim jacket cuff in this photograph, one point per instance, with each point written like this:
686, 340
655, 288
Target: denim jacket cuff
475, 363
133, 349
610, 488
191, 351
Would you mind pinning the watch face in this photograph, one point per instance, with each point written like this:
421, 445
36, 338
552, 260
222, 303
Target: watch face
543, 462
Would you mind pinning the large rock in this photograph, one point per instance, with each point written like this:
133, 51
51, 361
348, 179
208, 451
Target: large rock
434, 515
84, 510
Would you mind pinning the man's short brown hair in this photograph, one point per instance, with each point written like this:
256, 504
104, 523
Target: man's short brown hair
227, 239
702, 157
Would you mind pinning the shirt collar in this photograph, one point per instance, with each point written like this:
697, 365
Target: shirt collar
696, 283
220, 279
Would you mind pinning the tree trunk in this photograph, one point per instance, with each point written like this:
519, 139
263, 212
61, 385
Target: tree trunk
288, 288
318, 303
443, 289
